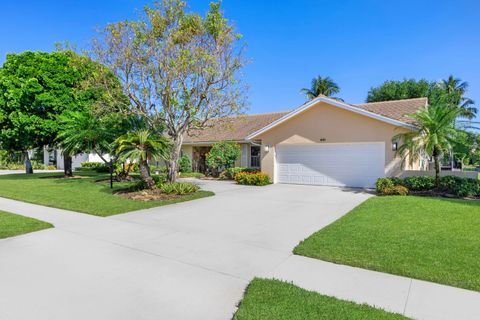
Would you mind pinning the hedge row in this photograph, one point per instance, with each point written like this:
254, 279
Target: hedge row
459, 187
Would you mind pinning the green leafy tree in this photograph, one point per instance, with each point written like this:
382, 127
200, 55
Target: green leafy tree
35, 88
450, 91
435, 136
399, 90
321, 86
141, 146
178, 69
223, 155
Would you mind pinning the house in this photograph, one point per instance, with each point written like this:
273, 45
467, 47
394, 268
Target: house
323, 142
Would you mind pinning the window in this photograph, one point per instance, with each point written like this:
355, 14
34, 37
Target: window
255, 156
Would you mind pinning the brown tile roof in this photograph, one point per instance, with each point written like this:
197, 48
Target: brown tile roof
239, 127
232, 128
395, 109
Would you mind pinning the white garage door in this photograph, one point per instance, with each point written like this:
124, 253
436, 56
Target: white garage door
351, 165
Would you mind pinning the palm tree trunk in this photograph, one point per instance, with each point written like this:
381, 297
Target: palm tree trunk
145, 174
436, 159
67, 166
28, 163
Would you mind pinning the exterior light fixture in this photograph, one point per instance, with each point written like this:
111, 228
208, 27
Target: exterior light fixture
394, 146
266, 148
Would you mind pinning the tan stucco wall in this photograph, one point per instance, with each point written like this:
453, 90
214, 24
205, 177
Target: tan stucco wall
333, 124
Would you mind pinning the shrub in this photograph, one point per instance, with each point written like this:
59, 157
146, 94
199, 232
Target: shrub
158, 178
252, 178
96, 166
420, 183
395, 191
383, 184
184, 164
178, 188
223, 155
230, 173
191, 175
460, 187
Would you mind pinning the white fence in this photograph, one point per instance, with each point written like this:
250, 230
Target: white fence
462, 174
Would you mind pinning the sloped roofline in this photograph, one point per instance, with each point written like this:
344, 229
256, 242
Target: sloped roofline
334, 103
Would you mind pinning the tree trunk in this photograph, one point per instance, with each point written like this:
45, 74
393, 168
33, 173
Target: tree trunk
145, 174
67, 166
436, 159
28, 163
172, 163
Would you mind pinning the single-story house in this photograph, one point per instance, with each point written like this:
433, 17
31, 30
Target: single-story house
323, 142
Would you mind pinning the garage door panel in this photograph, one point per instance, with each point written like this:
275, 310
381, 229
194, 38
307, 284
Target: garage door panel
354, 165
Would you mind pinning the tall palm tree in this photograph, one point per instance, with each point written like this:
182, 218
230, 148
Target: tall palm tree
141, 146
435, 135
456, 89
321, 86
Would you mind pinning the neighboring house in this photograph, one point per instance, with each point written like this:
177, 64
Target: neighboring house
322, 142
55, 157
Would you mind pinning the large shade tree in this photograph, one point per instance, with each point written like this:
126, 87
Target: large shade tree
178, 69
321, 86
434, 137
35, 88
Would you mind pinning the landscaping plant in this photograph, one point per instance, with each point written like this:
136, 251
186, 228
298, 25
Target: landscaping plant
178, 188
434, 137
141, 146
223, 155
252, 178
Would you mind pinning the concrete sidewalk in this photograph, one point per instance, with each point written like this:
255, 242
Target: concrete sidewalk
192, 260
413, 298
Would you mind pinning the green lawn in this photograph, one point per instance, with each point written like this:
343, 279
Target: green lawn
82, 195
434, 239
14, 225
277, 300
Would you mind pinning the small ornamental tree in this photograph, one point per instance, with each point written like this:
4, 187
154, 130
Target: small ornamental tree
223, 155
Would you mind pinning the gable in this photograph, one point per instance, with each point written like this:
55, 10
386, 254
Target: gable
337, 104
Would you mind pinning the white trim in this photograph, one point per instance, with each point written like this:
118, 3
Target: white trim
332, 102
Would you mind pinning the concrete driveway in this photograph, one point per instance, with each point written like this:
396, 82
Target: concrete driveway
185, 261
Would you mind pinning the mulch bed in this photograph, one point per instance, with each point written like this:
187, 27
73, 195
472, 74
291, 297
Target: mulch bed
146, 195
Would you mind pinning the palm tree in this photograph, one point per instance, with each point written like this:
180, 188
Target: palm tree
81, 132
141, 146
456, 89
435, 135
321, 86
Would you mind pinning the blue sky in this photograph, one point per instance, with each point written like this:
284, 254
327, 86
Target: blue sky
357, 43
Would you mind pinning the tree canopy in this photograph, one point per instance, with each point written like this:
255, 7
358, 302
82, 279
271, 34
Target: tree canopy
37, 87
450, 91
177, 68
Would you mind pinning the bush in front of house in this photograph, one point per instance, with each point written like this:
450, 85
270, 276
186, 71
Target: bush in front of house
95, 166
223, 155
420, 183
252, 178
184, 164
456, 186
191, 175
178, 188
230, 173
